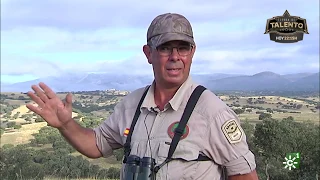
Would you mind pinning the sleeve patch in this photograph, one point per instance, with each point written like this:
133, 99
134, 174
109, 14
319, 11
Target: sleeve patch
232, 131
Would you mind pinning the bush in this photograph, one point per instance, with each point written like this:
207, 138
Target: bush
39, 119
17, 126
263, 116
11, 124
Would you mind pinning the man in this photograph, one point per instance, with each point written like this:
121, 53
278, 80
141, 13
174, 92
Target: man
213, 129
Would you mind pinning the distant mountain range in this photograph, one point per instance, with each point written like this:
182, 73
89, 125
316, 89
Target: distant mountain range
263, 81
268, 81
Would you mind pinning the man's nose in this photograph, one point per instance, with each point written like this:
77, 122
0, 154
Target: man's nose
174, 56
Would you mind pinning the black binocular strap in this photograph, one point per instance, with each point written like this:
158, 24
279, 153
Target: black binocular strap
182, 124
127, 148
178, 131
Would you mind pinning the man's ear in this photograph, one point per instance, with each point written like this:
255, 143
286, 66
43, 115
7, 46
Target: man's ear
147, 53
193, 51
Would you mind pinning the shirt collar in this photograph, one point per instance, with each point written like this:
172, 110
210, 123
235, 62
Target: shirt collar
175, 102
177, 99
148, 101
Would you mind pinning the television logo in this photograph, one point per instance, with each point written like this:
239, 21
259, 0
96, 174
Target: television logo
286, 28
292, 160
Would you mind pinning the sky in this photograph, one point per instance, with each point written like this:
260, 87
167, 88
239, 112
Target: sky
54, 37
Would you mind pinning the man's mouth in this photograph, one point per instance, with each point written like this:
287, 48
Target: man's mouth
174, 69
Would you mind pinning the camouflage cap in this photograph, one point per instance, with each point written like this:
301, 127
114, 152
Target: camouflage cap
168, 27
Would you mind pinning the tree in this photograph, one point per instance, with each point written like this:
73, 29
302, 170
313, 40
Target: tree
269, 110
263, 116
299, 106
273, 139
290, 118
238, 111
28, 119
11, 124
113, 173
62, 144
7, 115
16, 115
39, 119
249, 131
22, 162
17, 163
17, 126
118, 154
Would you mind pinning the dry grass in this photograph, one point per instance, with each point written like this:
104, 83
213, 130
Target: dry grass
271, 102
315, 98
314, 117
22, 135
25, 133
24, 110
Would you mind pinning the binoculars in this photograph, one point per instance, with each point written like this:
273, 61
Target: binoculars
137, 168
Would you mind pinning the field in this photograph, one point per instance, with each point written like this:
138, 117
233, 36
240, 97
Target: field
23, 135
14, 109
308, 110
282, 107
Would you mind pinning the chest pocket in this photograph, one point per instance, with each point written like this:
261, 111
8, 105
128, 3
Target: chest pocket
183, 166
184, 151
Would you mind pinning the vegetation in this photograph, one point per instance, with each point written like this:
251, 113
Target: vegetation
274, 125
272, 139
24, 162
269, 140
34, 161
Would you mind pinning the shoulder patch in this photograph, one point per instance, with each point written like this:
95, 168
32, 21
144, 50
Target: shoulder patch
232, 131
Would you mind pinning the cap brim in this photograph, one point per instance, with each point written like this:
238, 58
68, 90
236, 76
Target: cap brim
163, 38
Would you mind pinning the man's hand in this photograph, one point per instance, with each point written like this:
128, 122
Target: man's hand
58, 114
50, 107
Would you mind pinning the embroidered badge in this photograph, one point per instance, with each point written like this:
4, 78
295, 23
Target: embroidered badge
232, 131
126, 132
173, 126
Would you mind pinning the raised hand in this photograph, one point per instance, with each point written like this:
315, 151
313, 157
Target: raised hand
50, 106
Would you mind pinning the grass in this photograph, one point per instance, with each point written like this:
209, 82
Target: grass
25, 133
22, 135
271, 102
314, 117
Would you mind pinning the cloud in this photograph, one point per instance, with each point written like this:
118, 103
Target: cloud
19, 65
134, 65
54, 36
85, 14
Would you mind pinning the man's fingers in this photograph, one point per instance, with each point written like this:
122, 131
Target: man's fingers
35, 109
48, 91
36, 99
68, 102
40, 93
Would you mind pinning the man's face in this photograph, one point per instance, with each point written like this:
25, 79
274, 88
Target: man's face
170, 69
